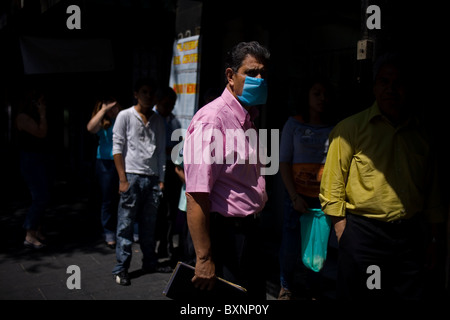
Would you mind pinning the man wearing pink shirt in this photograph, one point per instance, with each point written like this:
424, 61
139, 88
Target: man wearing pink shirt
224, 187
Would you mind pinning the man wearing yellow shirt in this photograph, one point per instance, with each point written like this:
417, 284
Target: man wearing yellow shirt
380, 187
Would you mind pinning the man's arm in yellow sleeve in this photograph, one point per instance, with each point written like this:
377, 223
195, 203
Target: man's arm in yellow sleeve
334, 179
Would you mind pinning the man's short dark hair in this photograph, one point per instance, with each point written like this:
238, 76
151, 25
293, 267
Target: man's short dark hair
389, 58
145, 82
166, 92
239, 52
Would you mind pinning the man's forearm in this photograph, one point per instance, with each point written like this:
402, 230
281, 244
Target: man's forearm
288, 180
120, 167
198, 222
198, 217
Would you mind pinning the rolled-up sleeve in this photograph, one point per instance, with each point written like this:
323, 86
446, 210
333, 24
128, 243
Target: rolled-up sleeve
119, 134
334, 179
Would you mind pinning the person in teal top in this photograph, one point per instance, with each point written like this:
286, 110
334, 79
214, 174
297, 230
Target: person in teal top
185, 242
104, 149
101, 124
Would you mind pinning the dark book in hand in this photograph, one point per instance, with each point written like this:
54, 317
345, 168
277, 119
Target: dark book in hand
181, 288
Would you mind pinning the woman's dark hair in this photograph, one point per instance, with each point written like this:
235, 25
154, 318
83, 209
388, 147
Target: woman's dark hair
106, 122
238, 53
303, 106
28, 97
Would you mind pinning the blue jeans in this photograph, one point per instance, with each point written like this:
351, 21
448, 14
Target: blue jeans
290, 247
108, 180
139, 203
35, 169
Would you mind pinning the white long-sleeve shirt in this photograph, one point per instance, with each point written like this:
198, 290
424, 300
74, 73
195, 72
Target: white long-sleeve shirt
143, 146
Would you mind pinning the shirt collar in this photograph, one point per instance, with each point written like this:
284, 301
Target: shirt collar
136, 114
375, 113
238, 110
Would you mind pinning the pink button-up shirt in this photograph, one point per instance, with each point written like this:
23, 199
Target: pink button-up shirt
221, 160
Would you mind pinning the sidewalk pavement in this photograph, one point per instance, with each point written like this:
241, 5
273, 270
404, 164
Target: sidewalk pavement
27, 274
72, 226
74, 238
44, 276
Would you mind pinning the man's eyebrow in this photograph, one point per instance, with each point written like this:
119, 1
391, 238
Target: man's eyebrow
253, 70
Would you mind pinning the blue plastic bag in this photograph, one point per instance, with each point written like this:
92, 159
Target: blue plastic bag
315, 231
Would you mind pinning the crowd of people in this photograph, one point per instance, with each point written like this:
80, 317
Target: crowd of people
374, 175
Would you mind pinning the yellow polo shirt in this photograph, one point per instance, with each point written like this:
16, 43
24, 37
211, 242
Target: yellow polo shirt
380, 171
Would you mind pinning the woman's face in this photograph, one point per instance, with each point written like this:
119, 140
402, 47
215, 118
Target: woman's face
318, 98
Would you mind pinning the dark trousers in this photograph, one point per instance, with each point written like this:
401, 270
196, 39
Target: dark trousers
187, 254
108, 181
167, 211
381, 260
36, 169
236, 250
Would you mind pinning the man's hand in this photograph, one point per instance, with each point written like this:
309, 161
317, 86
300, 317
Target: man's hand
124, 186
339, 226
205, 274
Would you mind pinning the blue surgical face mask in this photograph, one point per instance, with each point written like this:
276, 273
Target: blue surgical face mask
254, 92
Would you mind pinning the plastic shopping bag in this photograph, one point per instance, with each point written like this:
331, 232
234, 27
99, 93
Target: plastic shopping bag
315, 231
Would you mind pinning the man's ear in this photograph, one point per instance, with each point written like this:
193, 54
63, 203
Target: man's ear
229, 74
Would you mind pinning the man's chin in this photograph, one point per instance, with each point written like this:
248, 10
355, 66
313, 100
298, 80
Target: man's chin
392, 104
146, 105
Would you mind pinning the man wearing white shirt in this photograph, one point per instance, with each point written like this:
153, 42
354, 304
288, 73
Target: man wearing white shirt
139, 155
